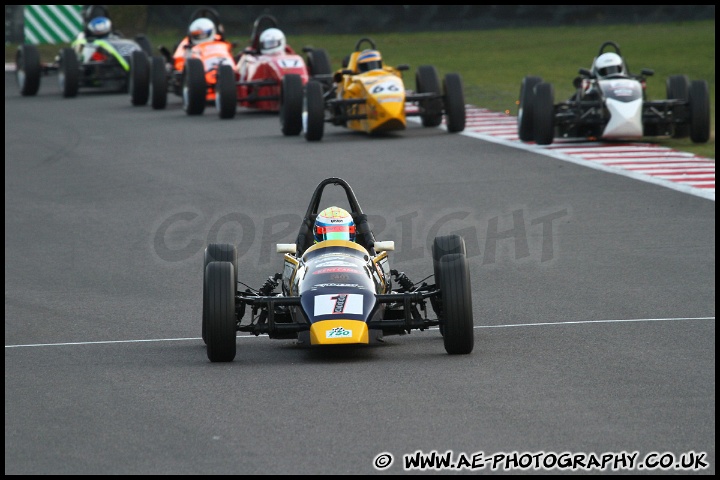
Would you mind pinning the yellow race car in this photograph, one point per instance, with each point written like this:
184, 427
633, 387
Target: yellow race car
367, 96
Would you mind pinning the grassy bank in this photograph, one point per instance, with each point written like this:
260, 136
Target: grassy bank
492, 63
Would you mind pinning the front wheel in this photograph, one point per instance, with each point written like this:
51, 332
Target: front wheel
544, 114
677, 88
139, 78
525, 108
27, 69
226, 97
457, 318
427, 81
699, 100
194, 87
454, 103
291, 104
216, 252
221, 324
314, 111
158, 83
69, 73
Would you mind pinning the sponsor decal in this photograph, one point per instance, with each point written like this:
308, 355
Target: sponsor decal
337, 285
338, 332
335, 270
339, 277
340, 304
335, 263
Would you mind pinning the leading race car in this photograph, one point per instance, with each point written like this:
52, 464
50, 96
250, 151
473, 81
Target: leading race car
336, 291
610, 103
368, 96
99, 58
258, 80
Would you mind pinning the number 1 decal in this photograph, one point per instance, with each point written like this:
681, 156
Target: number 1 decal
340, 304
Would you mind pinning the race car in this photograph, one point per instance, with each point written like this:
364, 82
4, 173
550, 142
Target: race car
610, 103
263, 68
337, 292
367, 96
99, 58
191, 70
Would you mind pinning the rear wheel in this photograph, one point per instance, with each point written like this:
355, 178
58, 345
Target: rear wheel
544, 114
144, 44
69, 73
221, 324
454, 103
158, 83
678, 88
525, 108
456, 294
216, 252
699, 100
27, 69
318, 62
194, 87
226, 94
291, 104
139, 78
314, 111
427, 81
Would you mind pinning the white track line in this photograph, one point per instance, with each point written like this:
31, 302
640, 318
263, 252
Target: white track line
581, 322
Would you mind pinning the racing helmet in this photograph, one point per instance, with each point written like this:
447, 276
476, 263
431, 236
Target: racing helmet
334, 223
99, 26
369, 60
201, 30
272, 41
608, 64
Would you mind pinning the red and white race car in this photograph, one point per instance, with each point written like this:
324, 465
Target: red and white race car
269, 75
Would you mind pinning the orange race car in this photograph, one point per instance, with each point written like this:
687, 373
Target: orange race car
191, 70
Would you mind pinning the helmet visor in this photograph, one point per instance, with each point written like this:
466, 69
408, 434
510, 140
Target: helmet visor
337, 232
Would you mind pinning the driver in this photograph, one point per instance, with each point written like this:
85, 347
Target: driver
99, 27
272, 42
334, 223
609, 65
201, 30
369, 60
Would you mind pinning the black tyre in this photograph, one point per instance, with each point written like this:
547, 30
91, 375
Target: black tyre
194, 89
158, 83
226, 92
221, 323
678, 88
457, 318
216, 252
445, 245
428, 81
314, 111
291, 104
27, 70
454, 103
544, 113
699, 100
139, 78
69, 73
318, 62
525, 108
145, 44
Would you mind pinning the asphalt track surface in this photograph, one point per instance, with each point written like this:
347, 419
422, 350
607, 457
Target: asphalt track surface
593, 300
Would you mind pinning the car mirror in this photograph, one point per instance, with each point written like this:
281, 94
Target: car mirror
387, 246
647, 72
403, 67
585, 72
287, 248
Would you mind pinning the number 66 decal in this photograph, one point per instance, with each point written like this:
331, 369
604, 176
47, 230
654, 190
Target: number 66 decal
386, 87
